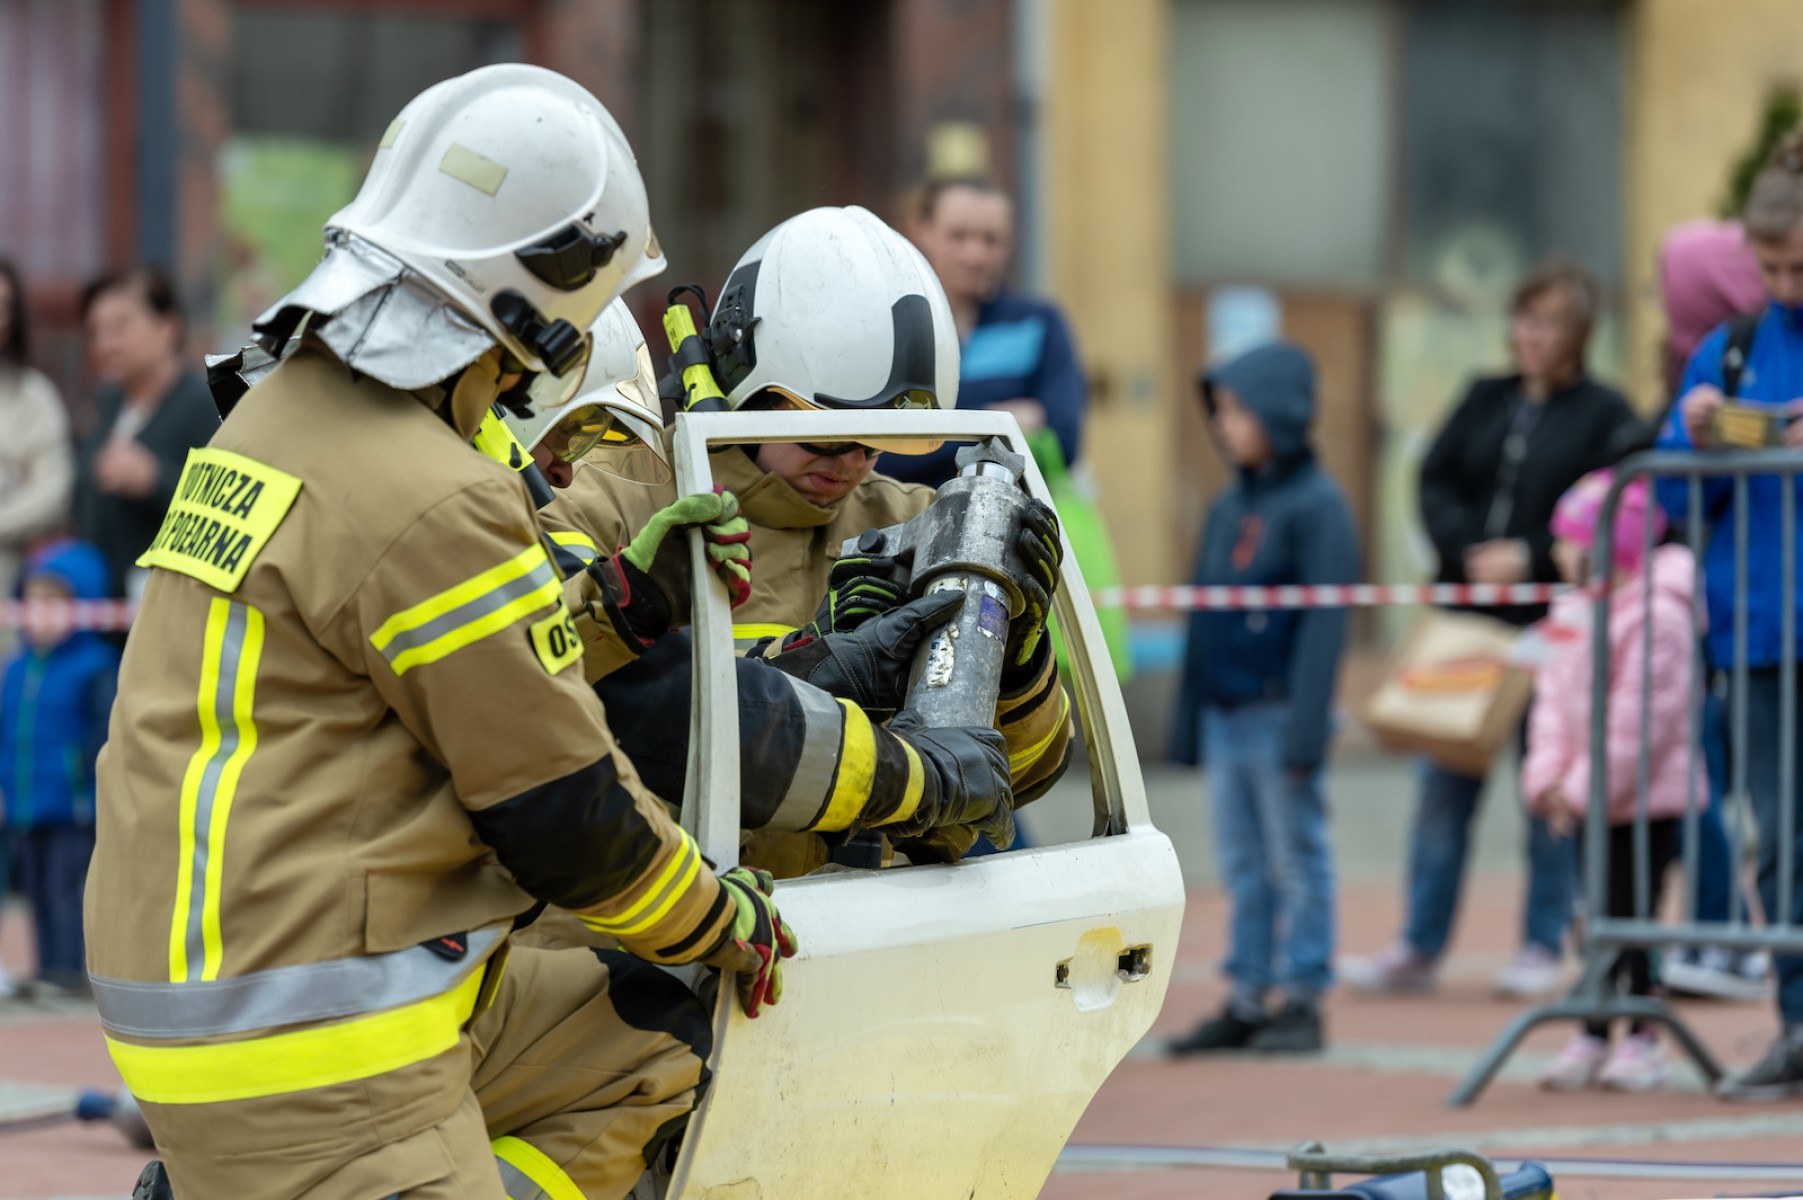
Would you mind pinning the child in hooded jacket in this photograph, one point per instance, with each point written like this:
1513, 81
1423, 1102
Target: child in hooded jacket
56, 692
1652, 598
1257, 699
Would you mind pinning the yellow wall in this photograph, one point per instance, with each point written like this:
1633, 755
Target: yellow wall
1700, 74
1108, 254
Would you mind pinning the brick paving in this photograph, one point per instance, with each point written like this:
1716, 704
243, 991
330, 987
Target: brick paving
1382, 1084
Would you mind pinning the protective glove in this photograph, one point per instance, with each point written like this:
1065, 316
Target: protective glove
869, 666
757, 941
967, 780
860, 587
665, 559
1042, 552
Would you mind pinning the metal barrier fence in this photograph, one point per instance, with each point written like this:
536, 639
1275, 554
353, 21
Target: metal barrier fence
1718, 491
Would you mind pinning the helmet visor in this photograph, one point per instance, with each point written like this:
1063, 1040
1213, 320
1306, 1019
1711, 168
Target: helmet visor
546, 393
628, 447
780, 399
633, 446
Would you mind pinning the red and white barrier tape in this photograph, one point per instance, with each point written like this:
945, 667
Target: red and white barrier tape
103, 616
112, 615
1355, 595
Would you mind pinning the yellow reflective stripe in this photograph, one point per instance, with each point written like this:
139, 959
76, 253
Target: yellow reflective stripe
659, 898
1021, 759
578, 542
243, 704
917, 783
453, 597
857, 771
752, 633
190, 797
469, 612
531, 1162
298, 1061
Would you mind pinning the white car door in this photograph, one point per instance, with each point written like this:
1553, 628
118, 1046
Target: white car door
943, 1027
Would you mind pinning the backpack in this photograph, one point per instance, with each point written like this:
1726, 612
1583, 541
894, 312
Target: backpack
1742, 329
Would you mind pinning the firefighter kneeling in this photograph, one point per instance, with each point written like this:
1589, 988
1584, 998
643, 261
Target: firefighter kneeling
352, 742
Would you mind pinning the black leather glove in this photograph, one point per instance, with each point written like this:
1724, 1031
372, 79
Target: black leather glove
860, 587
869, 666
967, 780
634, 604
1042, 552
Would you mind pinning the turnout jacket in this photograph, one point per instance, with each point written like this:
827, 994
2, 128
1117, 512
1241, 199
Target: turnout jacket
351, 743
794, 545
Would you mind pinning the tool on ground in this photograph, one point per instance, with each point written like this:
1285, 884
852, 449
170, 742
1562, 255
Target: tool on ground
965, 542
1433, 1175
118, 1108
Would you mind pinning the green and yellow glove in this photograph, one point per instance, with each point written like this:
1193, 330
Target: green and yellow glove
728, 535
757, 941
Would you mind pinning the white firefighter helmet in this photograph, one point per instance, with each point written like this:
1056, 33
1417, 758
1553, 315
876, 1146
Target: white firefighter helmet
833, 309
614, 421
502, 206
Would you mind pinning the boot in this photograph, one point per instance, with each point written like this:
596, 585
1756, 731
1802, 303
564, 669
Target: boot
153, 1183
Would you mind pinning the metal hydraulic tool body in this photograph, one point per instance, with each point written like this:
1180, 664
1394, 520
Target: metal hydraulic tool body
964, 541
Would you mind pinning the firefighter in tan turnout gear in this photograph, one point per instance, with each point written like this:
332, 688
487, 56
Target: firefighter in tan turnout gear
351, 744
831, 309
807, 760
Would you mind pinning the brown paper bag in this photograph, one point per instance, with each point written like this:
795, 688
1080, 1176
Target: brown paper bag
1451, 692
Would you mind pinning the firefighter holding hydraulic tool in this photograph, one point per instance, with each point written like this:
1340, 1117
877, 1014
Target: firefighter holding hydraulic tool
832, 309
352, 741
809, 761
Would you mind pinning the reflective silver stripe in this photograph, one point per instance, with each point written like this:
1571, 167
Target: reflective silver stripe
284, 996
470, 611
231, 650
517, 1184
819, 758
577, 545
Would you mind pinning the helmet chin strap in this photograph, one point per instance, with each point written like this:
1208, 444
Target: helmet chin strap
477, 387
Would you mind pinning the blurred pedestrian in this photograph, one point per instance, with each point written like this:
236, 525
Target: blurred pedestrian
1707, 275
37, 467
56, 693
1488, 487
1016, 352
1650, 621
1757, 363
152, 411
1257, 700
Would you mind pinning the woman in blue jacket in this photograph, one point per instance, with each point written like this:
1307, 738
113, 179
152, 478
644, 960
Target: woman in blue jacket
1016, 353
1767, 373
55, 697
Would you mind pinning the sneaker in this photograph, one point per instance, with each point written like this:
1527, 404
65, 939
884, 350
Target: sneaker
1638, 1064
1776, 1076
1227, 1031
1399, 968
1716, 973
1536, 972
1577, 1065
1296, 1029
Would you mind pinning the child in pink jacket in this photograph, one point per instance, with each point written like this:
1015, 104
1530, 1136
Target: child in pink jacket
1555, 780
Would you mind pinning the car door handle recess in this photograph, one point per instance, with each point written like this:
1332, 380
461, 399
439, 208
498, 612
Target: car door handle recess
1099, 968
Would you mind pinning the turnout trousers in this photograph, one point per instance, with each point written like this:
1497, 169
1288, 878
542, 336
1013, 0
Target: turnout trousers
578, 1071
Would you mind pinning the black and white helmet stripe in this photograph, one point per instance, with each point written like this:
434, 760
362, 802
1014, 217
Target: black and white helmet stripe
834, 309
